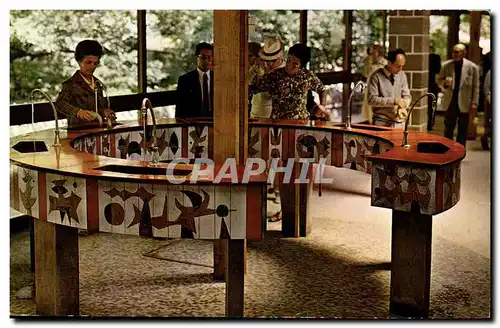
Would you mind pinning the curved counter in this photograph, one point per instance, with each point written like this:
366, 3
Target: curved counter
101, 180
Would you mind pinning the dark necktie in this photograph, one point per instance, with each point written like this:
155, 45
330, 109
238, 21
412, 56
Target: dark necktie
206, 98
392, 79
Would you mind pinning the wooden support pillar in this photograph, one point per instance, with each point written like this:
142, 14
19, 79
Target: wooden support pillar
411, 264
474, 55
347, 63
56, 269
142, 82
303, 26
231, 132
235, 278
296, 216
453, 29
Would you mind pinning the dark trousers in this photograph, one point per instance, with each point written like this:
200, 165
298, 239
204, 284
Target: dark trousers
450, 121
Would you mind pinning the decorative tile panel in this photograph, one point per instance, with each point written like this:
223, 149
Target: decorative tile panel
313, 145
66, 200
28, 192
357, 148
198, 141
254, 142
403, 188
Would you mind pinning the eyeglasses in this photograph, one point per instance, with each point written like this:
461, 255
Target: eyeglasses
203, 57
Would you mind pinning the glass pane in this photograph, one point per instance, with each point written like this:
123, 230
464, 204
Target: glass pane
325, 32
439, 36
282, 23
367, 29
42, 44
172, 36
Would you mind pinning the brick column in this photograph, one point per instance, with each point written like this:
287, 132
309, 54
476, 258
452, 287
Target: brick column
409, 30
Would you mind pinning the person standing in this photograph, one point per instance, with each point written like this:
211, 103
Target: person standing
459, 80
81, 93
270, 59
388, 92
373, 62
195, 89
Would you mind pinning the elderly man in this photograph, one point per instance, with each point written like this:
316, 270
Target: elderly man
459, 80
270, 59
388, 92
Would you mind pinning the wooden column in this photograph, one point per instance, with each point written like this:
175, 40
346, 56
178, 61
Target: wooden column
231, 130
411, 264
475, 56
453, 30
142, 82
303, 26
347, 63
56, 269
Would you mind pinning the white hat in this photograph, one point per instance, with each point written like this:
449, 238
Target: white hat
272, 49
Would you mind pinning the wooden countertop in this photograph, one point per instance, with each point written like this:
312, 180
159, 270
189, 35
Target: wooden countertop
67, 160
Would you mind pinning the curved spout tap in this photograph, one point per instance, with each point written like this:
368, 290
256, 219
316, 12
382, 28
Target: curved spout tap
146, 103
434, 105
349, 110
57, 140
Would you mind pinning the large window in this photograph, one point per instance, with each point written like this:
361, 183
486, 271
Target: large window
172, 36
325, 32
367, 29
42, 44
282, 23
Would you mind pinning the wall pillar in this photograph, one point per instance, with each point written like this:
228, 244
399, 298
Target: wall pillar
409, 30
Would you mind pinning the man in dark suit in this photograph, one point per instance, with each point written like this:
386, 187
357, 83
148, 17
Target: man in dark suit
195, 88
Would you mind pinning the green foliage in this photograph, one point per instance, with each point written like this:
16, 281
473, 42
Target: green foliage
42, 43
172, 38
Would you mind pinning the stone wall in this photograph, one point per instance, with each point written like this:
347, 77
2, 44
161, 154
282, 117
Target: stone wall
409, 30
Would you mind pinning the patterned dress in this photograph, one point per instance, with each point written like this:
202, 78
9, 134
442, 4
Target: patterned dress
288, 92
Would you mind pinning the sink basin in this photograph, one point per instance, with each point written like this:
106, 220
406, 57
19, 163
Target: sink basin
30, 146
142, 170
432, 148
88, 126
364, 127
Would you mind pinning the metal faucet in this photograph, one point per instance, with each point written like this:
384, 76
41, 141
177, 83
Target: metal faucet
348, 123
57, 140
146, 103
434, 105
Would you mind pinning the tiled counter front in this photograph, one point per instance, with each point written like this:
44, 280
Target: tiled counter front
428, 190
173, 142
158, 210
341, 149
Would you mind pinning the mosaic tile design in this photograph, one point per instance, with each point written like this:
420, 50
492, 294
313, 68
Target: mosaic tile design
275, 142
451, 186
356, 149
404, 188
313, 145
66, 200
254, 142
28, 191
198, 142
184, 211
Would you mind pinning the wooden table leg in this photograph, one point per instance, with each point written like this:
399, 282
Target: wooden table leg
235, 278
411, 264
56, 269
220, 250
296, 218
